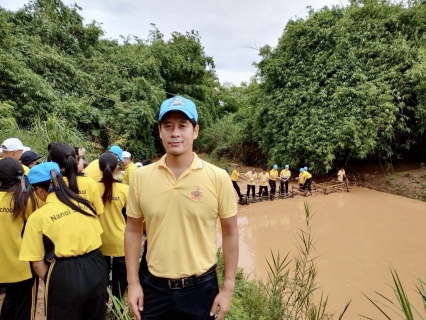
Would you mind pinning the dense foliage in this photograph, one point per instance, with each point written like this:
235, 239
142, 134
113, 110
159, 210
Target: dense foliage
344, 82
51, 64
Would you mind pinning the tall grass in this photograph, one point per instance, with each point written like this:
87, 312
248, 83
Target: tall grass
403, 307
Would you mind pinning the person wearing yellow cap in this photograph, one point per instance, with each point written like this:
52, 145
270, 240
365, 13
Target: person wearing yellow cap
129, 167
13, 148
62, 240
93, 171
16, 205
181, 198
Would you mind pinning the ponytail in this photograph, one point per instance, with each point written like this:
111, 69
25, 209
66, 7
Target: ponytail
13, 181
64, 155
107, 164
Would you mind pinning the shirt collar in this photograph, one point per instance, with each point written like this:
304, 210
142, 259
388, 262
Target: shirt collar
196, 164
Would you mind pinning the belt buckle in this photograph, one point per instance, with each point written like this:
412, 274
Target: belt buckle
174, 284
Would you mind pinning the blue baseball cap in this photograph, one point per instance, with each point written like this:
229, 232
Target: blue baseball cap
287, 166
306, 168
302, 169
117, 151
275, 166
41, 172
178, 103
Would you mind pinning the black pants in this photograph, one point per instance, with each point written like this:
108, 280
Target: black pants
252, 190
20, 300
273, 186
191, 303
307, 184
237, 188
76, 287
263, 190
119, 276
284, 186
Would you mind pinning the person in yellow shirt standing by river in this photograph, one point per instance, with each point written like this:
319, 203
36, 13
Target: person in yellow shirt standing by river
263, 182
301, 178
234, 178
251, 181
285, 175
129, 167
273, 175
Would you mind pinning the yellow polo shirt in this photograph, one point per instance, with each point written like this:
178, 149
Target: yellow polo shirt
234, 175
302, 177
285, 173
11, 269
65, 232
307, 175
93, 171
251, 178
181, 215
129, 170
88, 190
263, 179
112, 220
273, 174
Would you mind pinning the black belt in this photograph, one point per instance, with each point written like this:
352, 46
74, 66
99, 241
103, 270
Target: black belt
184, 282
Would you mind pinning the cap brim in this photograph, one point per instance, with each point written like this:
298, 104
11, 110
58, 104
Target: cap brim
189, 115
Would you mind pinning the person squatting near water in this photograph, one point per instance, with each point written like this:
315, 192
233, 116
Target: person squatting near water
178, 279
72, 266
235, 175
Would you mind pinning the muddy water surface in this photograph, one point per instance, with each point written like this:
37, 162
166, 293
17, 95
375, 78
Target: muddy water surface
361, 234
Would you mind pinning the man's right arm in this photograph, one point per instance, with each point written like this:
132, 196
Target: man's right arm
132, 248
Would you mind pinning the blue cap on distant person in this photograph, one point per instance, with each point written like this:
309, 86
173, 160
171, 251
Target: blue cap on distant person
41, 172
287, 166
305, 168
275, 166
302, 169
178, 103
117, 151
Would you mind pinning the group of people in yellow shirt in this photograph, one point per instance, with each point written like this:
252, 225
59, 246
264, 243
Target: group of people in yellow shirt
44, 211
264, 179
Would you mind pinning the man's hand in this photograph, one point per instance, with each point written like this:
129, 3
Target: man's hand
223, 302
135, 299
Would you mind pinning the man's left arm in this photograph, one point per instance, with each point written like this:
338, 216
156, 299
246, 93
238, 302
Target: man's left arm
230, 256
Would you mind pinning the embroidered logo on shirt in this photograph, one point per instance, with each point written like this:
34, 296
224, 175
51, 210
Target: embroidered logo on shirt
197, 193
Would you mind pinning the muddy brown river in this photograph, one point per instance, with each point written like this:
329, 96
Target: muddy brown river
360, 235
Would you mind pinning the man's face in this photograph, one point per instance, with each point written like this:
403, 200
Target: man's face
127, 161
177, 133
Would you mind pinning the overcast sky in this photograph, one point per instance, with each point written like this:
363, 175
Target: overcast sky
226, 27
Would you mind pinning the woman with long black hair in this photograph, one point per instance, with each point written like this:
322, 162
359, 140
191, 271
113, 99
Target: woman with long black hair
64, 155
62, 241
16, 204
113, 221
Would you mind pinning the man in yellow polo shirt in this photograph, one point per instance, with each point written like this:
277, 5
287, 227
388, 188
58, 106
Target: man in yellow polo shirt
13, 148
234, 178
285, 175
129, 167
263, 182
251, 181
273, 175
180, 197
308, 181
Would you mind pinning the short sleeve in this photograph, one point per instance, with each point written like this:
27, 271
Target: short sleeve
133, 209
226, 197
96, 196
32, 248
